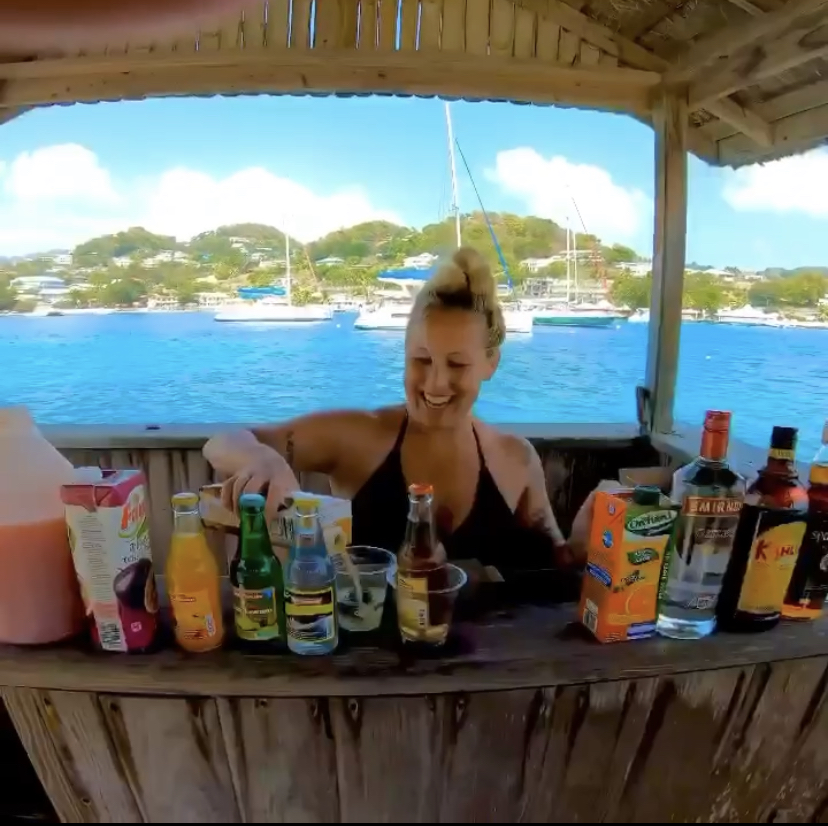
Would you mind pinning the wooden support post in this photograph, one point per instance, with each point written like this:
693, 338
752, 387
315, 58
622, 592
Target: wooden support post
670, 123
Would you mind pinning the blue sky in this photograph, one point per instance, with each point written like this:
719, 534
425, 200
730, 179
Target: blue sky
182, 166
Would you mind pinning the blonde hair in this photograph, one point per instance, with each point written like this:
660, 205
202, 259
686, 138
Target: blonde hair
465, 282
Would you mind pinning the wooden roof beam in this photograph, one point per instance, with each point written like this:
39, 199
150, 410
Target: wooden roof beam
733, 39
324, 70
633, 54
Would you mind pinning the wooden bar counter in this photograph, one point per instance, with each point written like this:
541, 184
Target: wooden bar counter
522, 718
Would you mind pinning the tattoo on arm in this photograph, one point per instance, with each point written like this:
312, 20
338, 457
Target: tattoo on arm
289, 448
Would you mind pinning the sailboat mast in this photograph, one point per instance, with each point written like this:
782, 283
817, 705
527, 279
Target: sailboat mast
567, 261
455, 206
288, 285
575, 261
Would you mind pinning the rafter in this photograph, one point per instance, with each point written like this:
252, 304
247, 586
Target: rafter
329, 70
636, 55
726, 42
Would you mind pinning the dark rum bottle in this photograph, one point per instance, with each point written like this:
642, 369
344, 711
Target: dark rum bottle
808, 588
421, 571
711, 494
767, 541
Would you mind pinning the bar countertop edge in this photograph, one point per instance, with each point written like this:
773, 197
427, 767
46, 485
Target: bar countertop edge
531, 649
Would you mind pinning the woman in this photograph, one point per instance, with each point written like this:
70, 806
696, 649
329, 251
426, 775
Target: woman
490, 491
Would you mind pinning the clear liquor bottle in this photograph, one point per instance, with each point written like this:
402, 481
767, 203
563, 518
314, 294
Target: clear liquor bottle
711, 495
310, 597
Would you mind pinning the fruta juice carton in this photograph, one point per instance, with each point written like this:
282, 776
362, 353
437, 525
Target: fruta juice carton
628, 542
108, 523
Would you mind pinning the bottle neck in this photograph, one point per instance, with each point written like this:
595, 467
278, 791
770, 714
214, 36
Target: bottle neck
780, 463
420, 534
307, 535
714, 445
255, 538
186, 522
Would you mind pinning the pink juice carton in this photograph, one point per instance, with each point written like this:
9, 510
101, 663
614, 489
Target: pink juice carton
108, 524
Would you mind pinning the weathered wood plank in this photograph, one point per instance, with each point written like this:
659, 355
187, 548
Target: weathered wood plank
368, 734
409, 22
477, 27
282, 760
368, 24
336, 24
454, 25
274, 30
175, 752
502, 28
387, 35
569, 46
300, 25
526, 24
431, 22
549, 34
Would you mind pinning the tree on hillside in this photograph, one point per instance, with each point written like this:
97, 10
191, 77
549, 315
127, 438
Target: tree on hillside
134, 240
631, 290
804, 290
704, 292
371, 239
8, 296
619, 254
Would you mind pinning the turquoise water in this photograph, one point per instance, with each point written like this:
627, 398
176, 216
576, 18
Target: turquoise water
184, 367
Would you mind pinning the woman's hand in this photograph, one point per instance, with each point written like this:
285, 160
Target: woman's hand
265, 472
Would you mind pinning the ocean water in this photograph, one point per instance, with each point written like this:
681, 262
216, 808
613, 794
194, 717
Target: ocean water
154, 368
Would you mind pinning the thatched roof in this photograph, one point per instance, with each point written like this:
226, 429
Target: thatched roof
753, 69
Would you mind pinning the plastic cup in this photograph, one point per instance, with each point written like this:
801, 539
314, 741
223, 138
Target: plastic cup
360, 600
430, 627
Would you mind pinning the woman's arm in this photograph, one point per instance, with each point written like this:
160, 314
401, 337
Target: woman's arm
535, 511
309, 443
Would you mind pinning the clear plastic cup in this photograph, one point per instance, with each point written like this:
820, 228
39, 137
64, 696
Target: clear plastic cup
427, 620
360, 599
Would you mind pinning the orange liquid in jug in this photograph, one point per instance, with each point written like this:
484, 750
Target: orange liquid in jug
33, 607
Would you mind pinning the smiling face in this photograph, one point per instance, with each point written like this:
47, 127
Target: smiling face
446, 361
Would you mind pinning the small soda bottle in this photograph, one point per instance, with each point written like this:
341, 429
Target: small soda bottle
807, 592
193, 580
421, 570
310, 598
256, 576
765, 550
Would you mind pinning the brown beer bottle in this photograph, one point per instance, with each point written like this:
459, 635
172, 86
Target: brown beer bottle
807, 592
767, 542
421, 570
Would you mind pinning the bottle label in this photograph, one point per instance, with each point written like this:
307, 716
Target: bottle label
194, 617
310, 614
257, 616
702, 542
412, 602
809, 584
771, 561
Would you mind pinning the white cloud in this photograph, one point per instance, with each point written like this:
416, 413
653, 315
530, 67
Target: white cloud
795, 184
58, 196
549, 185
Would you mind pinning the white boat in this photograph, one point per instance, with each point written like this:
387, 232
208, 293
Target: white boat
749, 316
640, 317
270, 310
384, 317
273, 308
44, 310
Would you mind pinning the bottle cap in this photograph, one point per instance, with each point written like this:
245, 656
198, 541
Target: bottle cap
420, 489
647, 495
251, 502
717, 420
784, 438
185, 499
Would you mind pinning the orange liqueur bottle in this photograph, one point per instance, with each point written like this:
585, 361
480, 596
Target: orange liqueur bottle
767, 542
807, 592
421, 569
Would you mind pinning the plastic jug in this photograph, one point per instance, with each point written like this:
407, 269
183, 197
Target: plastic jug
39, 594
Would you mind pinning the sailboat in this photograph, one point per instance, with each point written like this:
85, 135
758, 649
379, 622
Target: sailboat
273, 303
393, 315
574, 314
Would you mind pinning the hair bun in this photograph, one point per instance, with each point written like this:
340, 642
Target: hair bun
467, 270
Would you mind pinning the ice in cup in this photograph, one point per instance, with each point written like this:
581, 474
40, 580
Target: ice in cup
430, 623
361, 587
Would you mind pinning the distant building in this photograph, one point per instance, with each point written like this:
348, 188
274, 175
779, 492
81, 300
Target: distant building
165, 257
419, 262
330, 261
637, 268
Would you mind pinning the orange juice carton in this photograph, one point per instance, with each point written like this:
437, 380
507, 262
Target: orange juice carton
334, 513
628, 541
108, 524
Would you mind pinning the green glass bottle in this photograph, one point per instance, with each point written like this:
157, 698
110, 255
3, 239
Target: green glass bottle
258, 585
